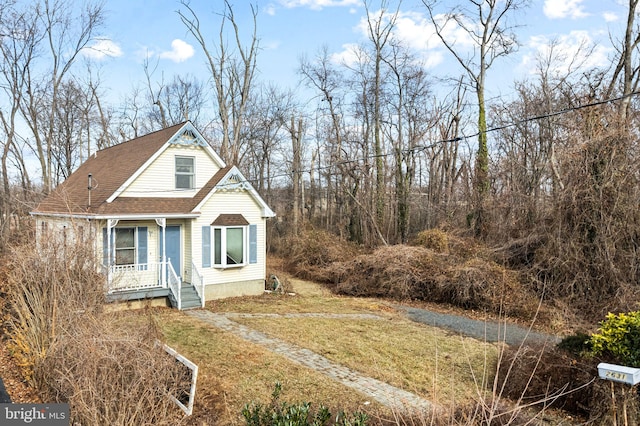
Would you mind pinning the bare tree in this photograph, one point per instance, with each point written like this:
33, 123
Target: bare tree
65, 33
323, 76
18, 43
232, 72
296, 131
380, 30
486, 24
409, 111
625, 69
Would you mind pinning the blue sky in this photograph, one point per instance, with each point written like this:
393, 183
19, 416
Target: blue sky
288, 29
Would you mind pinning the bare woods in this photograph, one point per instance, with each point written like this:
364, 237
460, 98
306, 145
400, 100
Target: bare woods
372, 151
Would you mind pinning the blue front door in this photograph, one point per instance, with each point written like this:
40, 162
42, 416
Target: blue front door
173, 247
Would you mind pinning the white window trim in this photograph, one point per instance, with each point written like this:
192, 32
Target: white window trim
223, 246
175, 173
135, 245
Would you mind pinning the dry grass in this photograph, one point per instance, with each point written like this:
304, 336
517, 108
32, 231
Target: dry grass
421, 359
233, 372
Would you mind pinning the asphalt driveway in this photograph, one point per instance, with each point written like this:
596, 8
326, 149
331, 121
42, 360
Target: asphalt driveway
489, 331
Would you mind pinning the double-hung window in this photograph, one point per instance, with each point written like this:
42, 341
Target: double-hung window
128, 246
125, 246
185, 172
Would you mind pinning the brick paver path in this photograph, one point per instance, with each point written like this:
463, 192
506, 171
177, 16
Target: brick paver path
384, 393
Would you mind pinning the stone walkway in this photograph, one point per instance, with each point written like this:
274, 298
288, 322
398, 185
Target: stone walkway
384, 393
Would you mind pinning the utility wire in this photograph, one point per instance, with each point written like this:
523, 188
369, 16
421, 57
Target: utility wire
420, 148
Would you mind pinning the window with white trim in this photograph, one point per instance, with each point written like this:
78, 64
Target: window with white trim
229, 244
128, 246
125, 246
234, 242
185, 172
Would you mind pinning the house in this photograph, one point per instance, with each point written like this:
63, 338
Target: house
166, 217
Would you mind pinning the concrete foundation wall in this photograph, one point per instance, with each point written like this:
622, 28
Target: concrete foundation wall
235, 289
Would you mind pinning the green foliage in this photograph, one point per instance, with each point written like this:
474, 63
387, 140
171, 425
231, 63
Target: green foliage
284, 414
619, 337
576, 344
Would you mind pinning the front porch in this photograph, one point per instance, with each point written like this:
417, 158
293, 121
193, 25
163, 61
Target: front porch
154, 280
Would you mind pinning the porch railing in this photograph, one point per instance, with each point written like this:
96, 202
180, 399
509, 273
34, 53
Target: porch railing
197, 280
139, 276
175, 283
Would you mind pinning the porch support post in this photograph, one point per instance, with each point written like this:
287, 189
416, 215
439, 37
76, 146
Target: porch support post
111, 223
162, 222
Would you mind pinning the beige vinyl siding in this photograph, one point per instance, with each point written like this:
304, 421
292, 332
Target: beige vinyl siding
63, 231
158, 180
230, 203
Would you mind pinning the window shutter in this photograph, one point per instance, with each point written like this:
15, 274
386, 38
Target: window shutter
206, 246
253, 243
142, 246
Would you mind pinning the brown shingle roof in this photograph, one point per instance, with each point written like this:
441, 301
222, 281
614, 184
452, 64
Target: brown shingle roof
230, 220
110, 168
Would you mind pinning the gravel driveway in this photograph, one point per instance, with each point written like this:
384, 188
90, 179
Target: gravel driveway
489, 331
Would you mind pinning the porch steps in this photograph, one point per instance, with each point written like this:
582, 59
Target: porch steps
189, 296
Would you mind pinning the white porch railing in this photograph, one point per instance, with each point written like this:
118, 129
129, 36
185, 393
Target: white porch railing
197, 280
175, 283
135, 277
145, 276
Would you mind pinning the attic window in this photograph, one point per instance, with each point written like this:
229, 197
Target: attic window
185, 172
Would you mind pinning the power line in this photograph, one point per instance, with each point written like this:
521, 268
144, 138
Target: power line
420, 148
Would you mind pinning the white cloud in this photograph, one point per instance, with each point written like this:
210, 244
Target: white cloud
270, 44
417, 32
180, 51
348, 55
102, 49
270, 9
319, 4
565, 54
557, 9
610, 16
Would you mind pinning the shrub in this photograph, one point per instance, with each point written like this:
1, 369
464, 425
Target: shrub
310, 254
277, 413
433, 239
619, 337
110, 372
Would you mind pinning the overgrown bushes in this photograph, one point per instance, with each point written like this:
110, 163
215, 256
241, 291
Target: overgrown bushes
109, 371
439, 268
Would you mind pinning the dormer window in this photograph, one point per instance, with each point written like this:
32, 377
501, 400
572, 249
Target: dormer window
185, 172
